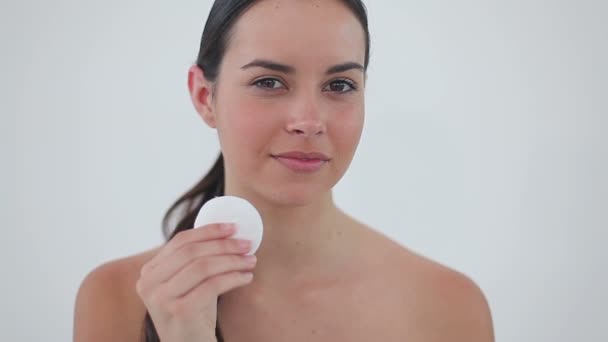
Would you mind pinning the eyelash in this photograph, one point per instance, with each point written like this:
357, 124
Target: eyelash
350, 83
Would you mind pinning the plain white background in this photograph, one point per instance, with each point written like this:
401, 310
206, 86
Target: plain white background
484, 149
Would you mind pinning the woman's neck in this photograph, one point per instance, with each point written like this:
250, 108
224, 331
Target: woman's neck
303, 241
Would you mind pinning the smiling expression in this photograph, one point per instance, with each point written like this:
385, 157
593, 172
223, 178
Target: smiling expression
291, 82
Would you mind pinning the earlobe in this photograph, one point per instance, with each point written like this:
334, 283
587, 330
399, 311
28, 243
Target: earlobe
201, 95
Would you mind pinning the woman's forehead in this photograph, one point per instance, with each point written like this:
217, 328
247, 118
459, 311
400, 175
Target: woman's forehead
298, 29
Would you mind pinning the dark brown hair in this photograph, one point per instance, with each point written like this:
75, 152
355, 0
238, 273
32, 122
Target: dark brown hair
215, 39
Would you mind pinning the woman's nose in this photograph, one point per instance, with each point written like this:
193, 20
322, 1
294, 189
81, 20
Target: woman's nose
308, 128
306, 118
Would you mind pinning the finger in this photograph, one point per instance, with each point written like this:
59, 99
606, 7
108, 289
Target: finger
189, 253
216, 286
201, 270
209, 232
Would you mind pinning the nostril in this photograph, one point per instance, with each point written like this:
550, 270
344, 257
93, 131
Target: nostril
306, 131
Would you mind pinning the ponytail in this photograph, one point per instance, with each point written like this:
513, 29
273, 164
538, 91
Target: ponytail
185, 210
189, 204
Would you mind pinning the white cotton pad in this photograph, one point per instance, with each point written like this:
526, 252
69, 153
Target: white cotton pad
232, 209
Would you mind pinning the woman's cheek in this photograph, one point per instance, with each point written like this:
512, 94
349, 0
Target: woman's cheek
348, 125
249, 127
252, 118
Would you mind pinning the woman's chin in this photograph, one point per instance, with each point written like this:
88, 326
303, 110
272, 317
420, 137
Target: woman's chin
293, 196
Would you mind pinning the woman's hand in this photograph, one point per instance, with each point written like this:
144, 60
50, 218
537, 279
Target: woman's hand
181, 284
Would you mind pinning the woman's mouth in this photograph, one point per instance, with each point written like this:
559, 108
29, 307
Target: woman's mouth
302, 162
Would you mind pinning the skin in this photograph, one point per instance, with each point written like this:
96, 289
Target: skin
308, 283
304, 109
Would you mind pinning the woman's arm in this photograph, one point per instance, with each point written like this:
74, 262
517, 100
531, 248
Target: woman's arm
465, 310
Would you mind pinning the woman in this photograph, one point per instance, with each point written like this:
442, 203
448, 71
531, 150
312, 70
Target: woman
282, 82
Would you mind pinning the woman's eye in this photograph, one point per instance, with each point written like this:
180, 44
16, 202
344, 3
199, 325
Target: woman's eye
342, 86
268, 83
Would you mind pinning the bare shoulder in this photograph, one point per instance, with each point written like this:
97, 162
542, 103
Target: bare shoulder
107, 305
454, 305
442, 303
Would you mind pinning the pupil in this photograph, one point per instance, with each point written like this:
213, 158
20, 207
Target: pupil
337, 86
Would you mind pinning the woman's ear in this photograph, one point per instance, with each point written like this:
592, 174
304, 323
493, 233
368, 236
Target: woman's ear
201, 95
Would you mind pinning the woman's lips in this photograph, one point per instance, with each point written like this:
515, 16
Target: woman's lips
301, 165
301, 161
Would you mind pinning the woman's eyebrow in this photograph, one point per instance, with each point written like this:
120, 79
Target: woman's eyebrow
344, 67
287, 69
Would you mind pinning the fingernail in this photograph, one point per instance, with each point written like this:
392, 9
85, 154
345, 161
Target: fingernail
227, 227
245, 244
251, 259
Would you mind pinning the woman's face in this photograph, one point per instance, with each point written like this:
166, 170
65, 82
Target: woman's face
291, 80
